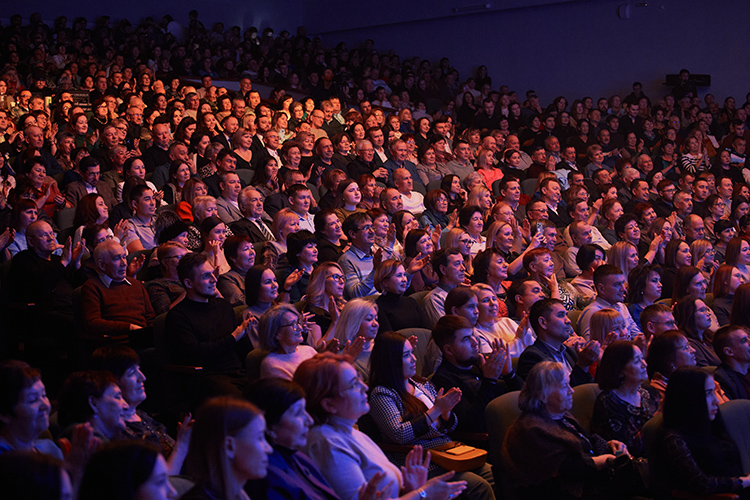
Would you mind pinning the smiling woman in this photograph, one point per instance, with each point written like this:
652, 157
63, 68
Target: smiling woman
281, 331
92, 397
24, 410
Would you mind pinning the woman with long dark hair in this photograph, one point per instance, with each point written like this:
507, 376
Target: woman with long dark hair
693, 450
409, 410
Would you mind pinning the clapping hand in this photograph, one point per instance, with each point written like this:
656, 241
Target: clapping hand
415, 469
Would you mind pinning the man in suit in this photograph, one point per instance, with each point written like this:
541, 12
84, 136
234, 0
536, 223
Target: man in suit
227, 206
252, 223
230, 126
158, 153
732, 345
90, 184
552, 326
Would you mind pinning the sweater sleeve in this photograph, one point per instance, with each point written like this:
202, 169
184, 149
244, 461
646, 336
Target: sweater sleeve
91, 309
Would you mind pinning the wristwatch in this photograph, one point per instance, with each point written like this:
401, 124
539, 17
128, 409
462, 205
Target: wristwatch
422, 493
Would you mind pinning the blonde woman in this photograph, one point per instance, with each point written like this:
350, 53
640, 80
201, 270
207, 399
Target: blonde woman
608, 325
325, 295
481, 197
358, 320
460, 239
486, 167
624, 255
284, 223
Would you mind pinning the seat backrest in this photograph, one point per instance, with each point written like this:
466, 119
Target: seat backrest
64, 218
253, 361
246, 175
423, 338
528, 186
574, 314
499, 415
419, 297
434, 184
736, 415
584, 397
649, 432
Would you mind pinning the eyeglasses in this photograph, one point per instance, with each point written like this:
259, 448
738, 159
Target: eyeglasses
336, 277
295, 325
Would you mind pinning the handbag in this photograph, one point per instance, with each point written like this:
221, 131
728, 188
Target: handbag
458, 456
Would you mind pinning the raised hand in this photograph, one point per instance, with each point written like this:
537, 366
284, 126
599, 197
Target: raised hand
445, 402
438, 488
522, 325
589, 353
415, 469
352, 350
135, 265
418, 263
293, 278
492, 366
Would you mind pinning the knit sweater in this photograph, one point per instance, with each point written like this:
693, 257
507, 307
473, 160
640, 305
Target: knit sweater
111, 311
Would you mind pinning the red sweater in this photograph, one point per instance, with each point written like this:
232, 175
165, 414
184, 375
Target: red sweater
111, 311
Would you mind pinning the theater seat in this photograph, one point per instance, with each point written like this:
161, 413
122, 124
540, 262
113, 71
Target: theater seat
584, 398
423, 338
736, 415
499, 416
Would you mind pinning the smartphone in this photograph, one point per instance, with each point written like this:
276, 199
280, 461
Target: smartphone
539, 227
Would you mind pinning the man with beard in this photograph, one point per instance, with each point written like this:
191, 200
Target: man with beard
481, 379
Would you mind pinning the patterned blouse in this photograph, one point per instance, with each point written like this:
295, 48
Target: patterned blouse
617, 419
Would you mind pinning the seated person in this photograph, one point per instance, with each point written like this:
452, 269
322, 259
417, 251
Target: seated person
396, 311
588, 258
302, 254
552, 327
24, 411
125, 364
141, 224
448, 264
357, 261
348, 459
94, 398
575, 465
693, 450
610, 287
408, 410
112, 304
202, 329
731, 345
580, 234
240, 255
91, 183
289, 469
252, 223
38, 276
166, 292
227, 205
479, 381
413, 201
656, 319
281, 331
624, 405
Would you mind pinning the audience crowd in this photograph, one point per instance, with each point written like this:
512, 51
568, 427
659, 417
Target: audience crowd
341, 286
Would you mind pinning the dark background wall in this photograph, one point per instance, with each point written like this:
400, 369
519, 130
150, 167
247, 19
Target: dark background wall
574, 48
